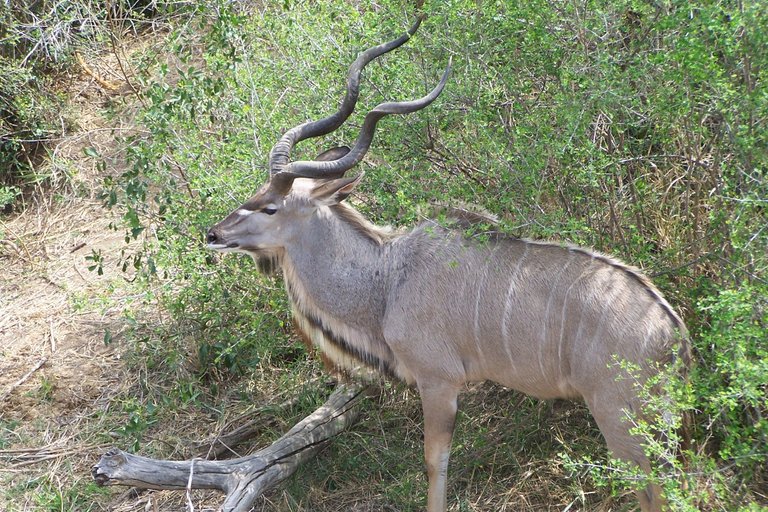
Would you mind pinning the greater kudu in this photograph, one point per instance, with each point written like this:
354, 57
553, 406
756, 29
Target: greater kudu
437, 308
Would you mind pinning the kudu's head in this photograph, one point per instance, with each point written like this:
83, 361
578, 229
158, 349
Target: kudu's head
261, 226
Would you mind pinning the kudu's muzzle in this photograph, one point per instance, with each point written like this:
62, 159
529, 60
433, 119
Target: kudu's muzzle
212, 237
216, 241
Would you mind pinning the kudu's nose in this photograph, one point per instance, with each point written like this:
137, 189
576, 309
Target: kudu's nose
211, 237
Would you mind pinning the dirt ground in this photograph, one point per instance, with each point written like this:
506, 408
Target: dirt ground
56, 372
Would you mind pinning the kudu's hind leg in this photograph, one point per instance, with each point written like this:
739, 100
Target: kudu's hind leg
610, 412
439, 404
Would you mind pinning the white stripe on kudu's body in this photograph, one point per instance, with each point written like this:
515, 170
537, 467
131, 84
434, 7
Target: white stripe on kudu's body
437, 308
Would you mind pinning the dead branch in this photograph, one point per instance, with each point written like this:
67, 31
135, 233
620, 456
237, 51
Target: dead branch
243, 479
223, 445
23, 379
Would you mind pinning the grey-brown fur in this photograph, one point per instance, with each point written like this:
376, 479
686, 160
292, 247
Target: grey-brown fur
437, 308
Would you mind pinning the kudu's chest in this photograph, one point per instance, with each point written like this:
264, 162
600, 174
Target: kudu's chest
343, 345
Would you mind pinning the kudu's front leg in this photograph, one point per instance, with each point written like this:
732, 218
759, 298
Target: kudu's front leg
439, 404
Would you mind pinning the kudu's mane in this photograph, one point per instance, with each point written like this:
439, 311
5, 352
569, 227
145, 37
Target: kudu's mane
379, 235
462, 217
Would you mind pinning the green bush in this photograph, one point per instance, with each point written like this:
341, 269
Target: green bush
632, 127
732, 382
38, 42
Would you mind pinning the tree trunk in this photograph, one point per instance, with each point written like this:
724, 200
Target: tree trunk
243, 479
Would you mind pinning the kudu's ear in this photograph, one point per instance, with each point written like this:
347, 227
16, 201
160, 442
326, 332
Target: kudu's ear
332, 154
334, 191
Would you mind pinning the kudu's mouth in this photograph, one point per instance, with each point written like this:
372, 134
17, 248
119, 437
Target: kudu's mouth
222, 247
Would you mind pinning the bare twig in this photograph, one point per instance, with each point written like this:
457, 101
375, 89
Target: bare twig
24, 378
224, 443
113, 42
53, 338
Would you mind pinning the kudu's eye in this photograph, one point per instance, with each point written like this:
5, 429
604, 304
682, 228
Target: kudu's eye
269, 211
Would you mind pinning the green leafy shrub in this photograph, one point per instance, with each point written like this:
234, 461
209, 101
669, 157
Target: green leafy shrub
732, 382
631, 127
38, 43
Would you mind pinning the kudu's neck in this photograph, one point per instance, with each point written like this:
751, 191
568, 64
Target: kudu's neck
338, 262
337, 282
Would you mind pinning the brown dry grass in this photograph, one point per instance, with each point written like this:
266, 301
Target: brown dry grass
57, 377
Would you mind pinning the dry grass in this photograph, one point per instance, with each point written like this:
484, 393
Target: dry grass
57, 377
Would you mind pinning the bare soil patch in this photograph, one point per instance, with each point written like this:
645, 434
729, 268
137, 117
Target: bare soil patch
56, 372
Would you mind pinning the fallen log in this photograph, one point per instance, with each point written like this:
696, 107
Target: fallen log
243, 479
